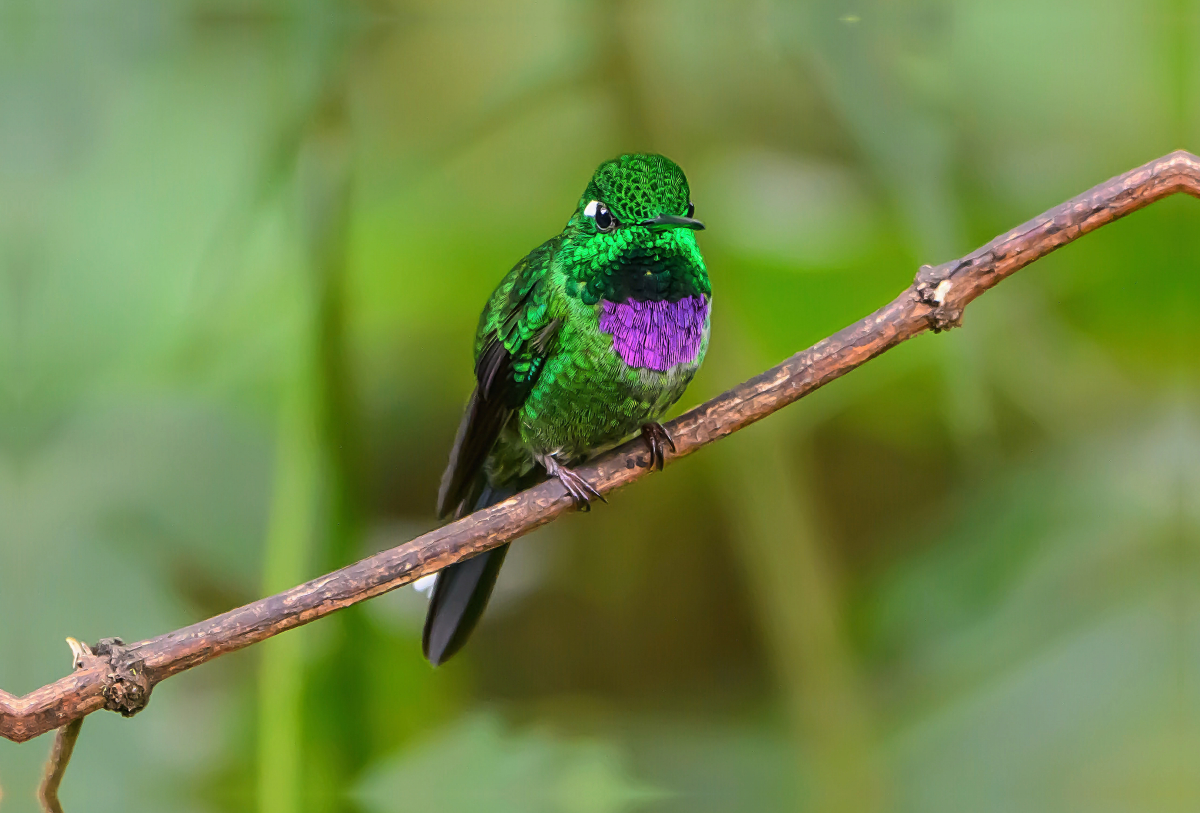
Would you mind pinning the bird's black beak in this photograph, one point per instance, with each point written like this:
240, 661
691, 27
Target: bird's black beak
672, 222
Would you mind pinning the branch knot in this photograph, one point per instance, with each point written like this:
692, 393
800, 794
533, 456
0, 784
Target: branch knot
126, 685
931, 287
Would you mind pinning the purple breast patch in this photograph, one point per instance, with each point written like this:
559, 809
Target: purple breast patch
656, 335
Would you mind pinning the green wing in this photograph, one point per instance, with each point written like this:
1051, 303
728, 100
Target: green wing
516, 334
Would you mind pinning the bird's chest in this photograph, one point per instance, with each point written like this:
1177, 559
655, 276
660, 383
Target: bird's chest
623, 366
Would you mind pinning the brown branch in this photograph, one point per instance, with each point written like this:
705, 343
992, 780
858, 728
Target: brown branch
935, 300
82, 656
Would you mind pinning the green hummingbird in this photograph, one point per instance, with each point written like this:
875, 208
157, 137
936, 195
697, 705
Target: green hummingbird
588, 339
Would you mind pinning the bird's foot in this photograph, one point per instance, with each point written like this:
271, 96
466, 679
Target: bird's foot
657, 439
581, 490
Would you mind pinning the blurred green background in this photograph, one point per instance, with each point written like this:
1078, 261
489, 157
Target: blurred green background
242, 252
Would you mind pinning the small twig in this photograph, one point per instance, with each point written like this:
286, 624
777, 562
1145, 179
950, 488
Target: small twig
935, 301
56, 765
64, 740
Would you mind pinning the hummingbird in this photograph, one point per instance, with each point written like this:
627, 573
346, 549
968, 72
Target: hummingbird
588, 340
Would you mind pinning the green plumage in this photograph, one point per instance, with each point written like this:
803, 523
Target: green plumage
552, 384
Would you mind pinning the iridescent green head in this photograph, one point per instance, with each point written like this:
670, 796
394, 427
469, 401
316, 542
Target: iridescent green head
633, 234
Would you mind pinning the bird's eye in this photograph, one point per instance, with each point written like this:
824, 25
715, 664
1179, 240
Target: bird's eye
599, 212
691, 209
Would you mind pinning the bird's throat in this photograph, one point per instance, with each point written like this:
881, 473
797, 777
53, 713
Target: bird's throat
656, 335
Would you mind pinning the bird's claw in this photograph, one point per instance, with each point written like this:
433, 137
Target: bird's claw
581, 490
657, 439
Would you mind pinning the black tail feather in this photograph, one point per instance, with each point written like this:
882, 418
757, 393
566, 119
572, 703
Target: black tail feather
459, 597
462, 590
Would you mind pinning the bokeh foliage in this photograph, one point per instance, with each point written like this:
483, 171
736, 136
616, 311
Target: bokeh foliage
242, 252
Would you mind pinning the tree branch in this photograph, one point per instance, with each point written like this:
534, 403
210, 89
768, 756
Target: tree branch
123, 678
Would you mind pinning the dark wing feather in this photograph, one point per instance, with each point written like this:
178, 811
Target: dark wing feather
515, 337
482, 421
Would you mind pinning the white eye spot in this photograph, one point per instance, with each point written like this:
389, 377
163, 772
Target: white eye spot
590, 209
